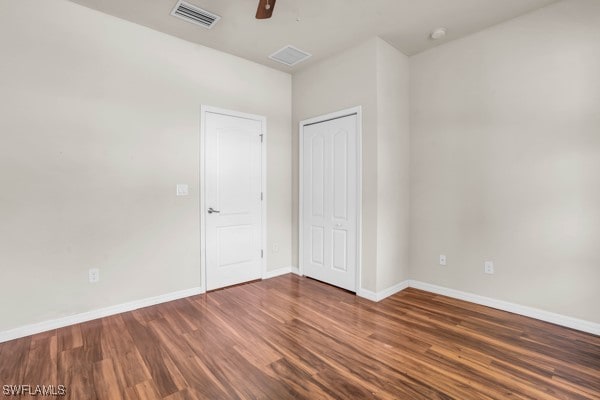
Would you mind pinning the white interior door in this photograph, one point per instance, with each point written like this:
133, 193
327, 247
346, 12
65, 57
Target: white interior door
329, 201
233, 186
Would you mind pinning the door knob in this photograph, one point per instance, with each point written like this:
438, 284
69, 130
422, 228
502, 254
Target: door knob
211, 211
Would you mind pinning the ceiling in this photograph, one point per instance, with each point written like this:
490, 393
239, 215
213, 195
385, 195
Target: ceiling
320, 27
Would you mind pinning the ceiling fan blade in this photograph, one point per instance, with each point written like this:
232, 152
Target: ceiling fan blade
265, 9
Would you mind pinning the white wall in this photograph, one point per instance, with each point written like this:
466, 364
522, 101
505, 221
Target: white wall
393, 133
99, 120
373, 75
505, 161
323, 88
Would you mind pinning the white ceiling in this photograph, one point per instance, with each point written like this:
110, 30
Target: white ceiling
320, 27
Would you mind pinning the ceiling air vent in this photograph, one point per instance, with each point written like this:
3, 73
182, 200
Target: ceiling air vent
289, 55
191, 13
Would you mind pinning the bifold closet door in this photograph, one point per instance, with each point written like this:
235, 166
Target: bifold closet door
329, 201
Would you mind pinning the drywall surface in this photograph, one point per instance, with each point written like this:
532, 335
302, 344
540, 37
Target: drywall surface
99, 120
342, 81
375, 76
505, 161
393, 133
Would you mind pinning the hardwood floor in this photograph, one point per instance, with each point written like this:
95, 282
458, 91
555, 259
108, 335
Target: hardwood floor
294, 338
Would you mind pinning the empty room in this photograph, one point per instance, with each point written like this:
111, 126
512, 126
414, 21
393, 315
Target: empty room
300, 199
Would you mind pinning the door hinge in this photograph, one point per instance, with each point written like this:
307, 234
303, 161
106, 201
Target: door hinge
261, 196
261, 137
262, 254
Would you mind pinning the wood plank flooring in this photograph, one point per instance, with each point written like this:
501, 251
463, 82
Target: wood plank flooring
295, 338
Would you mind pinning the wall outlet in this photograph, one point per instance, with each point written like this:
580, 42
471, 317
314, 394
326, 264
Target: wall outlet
442, 259
94, 275
182, 189
489, 267
275, 248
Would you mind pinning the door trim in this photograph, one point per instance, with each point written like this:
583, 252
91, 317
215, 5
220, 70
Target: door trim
204, 109
324, 118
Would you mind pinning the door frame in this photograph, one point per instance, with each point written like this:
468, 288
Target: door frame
204, 109
323, 118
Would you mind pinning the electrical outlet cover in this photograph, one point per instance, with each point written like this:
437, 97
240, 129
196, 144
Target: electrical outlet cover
94, 275
182, 189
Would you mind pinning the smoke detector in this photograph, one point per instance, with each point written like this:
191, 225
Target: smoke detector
438, 33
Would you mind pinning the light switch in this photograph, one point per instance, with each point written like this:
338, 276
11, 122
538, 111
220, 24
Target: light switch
182, 189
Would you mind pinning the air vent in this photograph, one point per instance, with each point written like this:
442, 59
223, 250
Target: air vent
289, 55
190, 13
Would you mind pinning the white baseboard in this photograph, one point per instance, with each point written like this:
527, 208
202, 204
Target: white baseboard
367, 294
378, 296
393, 290
45, 326
558, 319
281, 271
277, 272
39, 327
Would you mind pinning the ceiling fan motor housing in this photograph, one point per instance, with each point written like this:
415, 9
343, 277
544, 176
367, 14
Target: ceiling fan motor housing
265, 9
